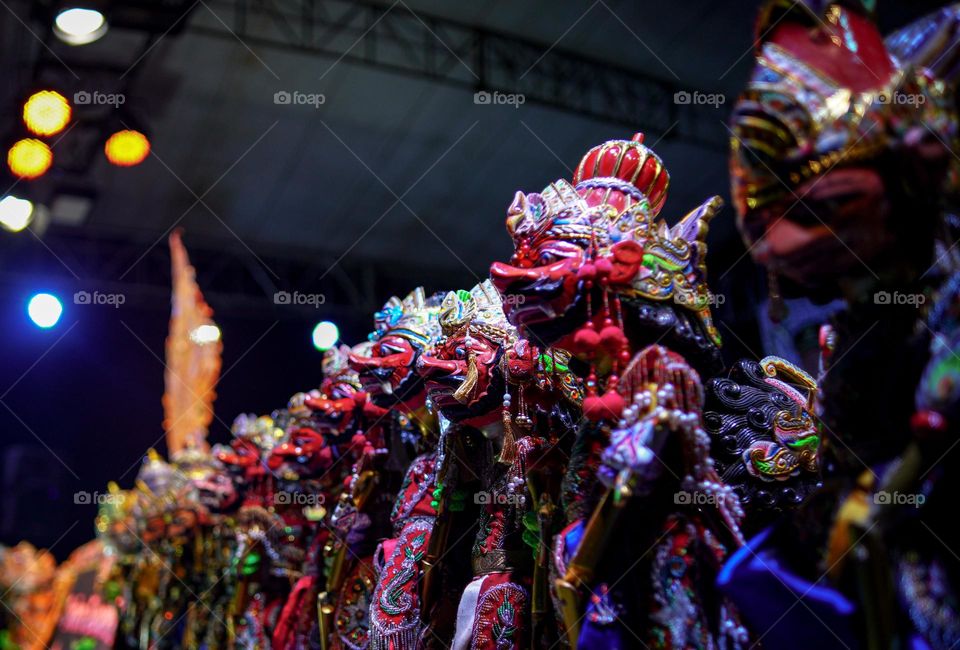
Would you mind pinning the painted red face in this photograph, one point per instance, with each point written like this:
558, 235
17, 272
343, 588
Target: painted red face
333, 416
449, 374
304, 454
540, 285
242, 458
838, 227
154, 529
336, 388
388, 376
216, 491
182, 523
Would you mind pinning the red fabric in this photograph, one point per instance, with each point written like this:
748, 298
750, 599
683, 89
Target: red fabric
300, 599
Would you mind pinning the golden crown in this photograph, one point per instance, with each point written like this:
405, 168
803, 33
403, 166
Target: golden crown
479, 310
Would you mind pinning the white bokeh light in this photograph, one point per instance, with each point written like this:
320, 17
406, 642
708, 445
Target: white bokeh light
15, 214
325, 335
44, 310
205, 334
79, 26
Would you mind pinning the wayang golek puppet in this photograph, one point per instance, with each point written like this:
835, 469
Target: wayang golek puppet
403, 331
843, 180
508, 405
595, 272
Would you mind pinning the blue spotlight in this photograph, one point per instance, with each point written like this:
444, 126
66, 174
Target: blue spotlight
44, 310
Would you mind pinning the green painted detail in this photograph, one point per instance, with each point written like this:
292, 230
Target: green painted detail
764, 466
811, 441
85, 643
943, 375
550, 364
251, 563
111, 589
652, 261
531, 539
6, 642
530, 521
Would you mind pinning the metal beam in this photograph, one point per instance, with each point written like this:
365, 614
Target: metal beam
396, 39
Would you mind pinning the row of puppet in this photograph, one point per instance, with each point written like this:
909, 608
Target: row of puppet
557, 455
477, 472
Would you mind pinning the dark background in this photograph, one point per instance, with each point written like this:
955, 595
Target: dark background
398, 179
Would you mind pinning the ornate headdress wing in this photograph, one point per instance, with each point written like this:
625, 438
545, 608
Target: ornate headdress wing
479, 310
414, 318
193, 355
930, 42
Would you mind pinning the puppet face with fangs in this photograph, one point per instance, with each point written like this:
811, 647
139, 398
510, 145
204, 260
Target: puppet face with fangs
464, 374
404, 330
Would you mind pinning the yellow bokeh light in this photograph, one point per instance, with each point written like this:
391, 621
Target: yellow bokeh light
46, 112
29, 158
127, 148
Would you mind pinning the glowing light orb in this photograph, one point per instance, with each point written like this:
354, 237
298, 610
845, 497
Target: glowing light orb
15, 214
46, 113
44, 310
29, 158
205, 334
127, 148
325, 335
79, 26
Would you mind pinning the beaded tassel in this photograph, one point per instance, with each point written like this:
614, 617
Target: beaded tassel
508, 452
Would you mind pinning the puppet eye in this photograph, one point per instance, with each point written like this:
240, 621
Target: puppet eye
546, 257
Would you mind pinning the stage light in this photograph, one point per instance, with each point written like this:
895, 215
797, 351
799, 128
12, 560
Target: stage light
127, 148
325, 335
205, 334
15, 214
44, 310
79, 26
46, 112
29, 158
